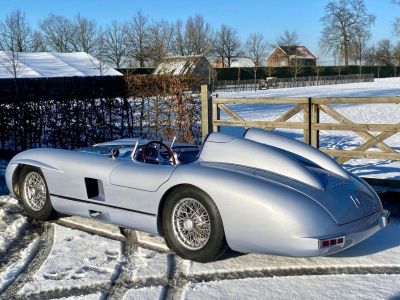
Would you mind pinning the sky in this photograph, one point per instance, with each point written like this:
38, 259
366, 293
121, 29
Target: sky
269, 17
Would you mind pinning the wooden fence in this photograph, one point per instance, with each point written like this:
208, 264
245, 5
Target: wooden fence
275, 83
311, 125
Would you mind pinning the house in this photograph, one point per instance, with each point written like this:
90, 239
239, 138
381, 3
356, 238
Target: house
286, 56
186, 65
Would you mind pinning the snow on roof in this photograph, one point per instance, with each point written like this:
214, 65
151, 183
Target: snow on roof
177, 65
294, 52
299, 51
242, 62
49, 64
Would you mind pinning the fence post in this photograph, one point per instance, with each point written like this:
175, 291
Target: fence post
307, 120
314, 120
206, 111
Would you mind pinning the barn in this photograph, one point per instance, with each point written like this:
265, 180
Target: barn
186, 65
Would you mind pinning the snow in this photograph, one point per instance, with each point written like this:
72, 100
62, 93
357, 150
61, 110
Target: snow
144, 293
378, 88
16, 267
96, 296
177, 65
242, 62
149, 264
77, 259
380, 250
341, 140
300, 287
51, 64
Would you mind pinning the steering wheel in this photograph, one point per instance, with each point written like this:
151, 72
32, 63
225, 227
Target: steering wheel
162, 145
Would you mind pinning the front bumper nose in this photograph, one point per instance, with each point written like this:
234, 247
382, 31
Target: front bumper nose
385, 218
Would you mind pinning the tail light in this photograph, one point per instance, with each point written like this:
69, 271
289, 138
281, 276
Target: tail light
337, 241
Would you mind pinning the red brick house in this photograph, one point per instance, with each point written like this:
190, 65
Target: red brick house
286, 56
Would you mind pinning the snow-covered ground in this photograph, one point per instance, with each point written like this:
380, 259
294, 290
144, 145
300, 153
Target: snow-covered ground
343, 140
76, 258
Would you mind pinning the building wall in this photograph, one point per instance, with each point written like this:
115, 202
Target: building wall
278, 59
204, 70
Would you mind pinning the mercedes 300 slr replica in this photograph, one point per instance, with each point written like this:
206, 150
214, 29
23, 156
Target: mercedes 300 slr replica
263, 193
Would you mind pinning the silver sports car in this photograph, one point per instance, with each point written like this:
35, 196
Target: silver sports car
263, 193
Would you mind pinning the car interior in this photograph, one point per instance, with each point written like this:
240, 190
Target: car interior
153, 152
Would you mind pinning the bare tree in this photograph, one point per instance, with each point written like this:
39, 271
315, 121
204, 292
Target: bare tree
227, 45
192, 37
15, 37
115, 44
359, 46
256, 50
396, 24
99, 53
161, 39
38, 43
288, 38
384, 50
137, 33
370, 56
396, 56
84, 34
342, 22
57, 33
15, 32
198, 35
180, 44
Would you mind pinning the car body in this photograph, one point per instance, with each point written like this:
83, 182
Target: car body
274, 194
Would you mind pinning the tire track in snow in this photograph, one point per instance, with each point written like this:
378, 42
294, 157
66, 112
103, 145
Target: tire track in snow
42, 251
119, 285
176, 278
17, 246
243, 274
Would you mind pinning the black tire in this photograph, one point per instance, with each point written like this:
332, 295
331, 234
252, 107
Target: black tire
216, 245
45, 212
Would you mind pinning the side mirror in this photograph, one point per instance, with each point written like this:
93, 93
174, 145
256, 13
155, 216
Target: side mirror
114, 153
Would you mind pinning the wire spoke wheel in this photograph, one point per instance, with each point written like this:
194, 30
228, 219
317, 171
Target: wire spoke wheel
191, 223
34, 189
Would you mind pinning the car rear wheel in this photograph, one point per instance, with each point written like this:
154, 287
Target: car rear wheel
193, 226
34, 194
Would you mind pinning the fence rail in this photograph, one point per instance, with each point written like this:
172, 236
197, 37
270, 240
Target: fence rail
275, 83
311, 124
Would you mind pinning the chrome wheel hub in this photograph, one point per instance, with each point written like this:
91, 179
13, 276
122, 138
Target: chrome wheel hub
34, 190
188, 224
191, 223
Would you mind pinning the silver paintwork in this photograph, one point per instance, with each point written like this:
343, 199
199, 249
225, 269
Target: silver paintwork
274, 195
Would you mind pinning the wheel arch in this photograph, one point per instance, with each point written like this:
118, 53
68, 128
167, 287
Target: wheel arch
164, 199
16, 176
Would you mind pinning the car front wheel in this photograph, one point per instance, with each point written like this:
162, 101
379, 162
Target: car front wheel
193, 225
34, 194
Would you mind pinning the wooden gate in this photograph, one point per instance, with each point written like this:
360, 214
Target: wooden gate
311, 125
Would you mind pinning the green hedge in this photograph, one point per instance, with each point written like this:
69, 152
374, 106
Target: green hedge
287, 72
